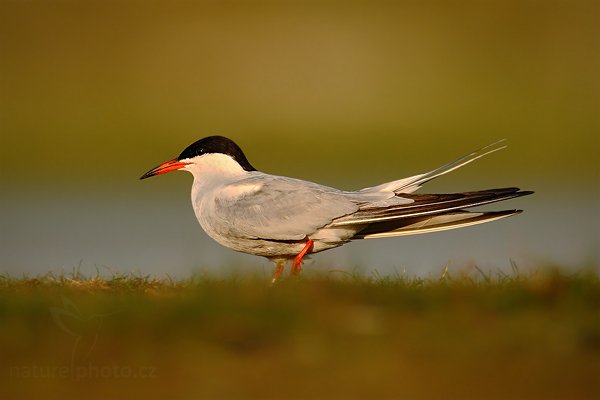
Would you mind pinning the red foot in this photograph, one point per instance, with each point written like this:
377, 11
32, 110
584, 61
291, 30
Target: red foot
298, 259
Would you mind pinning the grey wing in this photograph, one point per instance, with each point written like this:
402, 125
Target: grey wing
283, 208
429, 204
429, 213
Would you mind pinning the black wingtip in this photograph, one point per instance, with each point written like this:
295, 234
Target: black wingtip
521, 193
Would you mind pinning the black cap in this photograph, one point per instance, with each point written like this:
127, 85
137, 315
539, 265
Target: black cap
217, 144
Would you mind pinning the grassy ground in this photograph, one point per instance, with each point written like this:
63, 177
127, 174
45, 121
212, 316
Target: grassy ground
531, 336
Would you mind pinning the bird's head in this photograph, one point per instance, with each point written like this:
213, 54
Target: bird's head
209, 153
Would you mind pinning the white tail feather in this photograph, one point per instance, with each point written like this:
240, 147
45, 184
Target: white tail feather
442, 223
413, 183
410, 187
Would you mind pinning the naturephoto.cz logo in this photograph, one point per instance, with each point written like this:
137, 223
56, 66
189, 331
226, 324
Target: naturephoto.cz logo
80, 372
85, 330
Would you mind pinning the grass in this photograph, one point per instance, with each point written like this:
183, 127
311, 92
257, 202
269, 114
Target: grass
338, 335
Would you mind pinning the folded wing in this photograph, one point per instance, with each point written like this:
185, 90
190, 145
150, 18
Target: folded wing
427, 213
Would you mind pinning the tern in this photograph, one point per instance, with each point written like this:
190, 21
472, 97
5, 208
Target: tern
283, 218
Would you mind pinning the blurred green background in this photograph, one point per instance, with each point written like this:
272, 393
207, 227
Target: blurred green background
349, 94
345, 93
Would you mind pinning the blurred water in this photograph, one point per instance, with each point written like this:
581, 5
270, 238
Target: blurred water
135, 232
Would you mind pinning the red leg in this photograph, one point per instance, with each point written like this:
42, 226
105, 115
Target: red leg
279, 267
298, 259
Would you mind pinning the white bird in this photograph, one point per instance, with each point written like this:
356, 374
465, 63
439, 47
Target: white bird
284, 218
